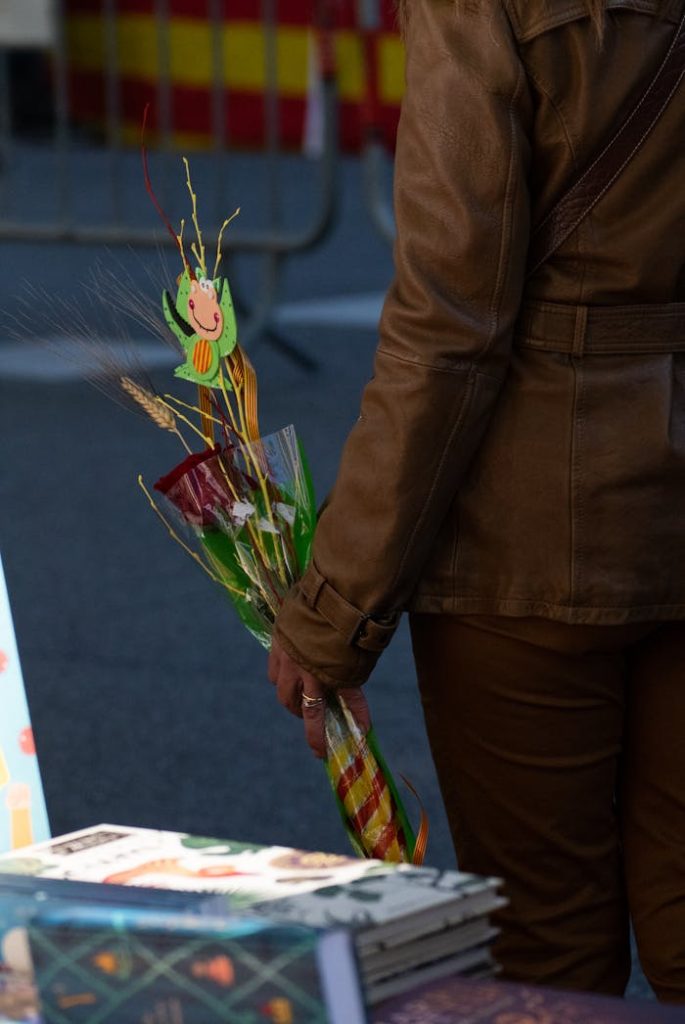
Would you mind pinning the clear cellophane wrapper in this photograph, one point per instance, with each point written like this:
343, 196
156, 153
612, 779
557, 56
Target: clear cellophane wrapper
249, 513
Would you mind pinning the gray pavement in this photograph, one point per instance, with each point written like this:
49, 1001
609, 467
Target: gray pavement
150, 702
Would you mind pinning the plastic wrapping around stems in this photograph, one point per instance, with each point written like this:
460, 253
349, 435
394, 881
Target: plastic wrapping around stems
252, 513
370, 806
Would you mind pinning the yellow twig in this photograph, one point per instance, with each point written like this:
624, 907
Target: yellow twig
183, 441
237, 391
207, 440
254, 532
192, 408
179, 239
221, 235
199, 254
229, 406
186, 548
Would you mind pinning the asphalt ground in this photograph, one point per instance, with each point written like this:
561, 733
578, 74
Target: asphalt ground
150, 702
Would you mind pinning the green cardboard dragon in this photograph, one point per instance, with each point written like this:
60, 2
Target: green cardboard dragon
203, 320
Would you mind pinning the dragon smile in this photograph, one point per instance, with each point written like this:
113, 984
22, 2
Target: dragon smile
202, 326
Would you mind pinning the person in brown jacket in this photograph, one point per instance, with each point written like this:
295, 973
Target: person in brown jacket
516, 480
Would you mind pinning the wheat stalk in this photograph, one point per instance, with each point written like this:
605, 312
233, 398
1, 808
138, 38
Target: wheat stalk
158, 411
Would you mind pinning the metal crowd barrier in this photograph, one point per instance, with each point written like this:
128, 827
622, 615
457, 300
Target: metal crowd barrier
374, 154
272, 243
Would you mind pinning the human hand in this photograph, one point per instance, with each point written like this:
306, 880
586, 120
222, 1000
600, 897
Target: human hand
293, 683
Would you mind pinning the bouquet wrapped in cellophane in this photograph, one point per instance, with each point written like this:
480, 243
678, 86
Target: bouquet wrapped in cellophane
247, 512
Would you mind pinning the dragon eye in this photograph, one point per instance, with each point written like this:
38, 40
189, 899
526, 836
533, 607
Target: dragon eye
191, 304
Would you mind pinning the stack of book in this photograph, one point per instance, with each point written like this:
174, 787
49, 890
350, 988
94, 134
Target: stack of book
407, 925
410, 926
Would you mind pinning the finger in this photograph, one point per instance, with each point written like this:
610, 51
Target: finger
314, 717
356, 702
289, 686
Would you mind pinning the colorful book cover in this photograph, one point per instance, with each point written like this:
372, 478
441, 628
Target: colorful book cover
144, 967
150, 858
465, 1001
23, 816
22, 896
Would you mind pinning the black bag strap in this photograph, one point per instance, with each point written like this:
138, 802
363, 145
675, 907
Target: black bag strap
575, 205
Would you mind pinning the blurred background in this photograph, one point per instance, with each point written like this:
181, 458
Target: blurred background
150, 702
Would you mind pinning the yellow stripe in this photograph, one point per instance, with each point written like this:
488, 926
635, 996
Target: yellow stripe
244, 52
375, 824
342, 756
390, 69
350, 66
394, 854
356, 798
185, 142
190, 52
356, 795
201, 356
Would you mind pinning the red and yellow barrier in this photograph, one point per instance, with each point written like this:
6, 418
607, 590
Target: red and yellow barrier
369, 68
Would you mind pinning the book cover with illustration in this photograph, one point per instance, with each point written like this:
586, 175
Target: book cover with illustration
22, 896
387, 904
151, 858
147, 967
23, 816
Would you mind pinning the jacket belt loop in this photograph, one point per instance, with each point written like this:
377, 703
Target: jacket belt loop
579, 331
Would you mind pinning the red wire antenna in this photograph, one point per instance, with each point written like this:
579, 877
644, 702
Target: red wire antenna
157, 205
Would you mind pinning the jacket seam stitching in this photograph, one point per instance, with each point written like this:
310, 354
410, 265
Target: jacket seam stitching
458, 370
464, 407
512, 16
576, 506
506, 227
545, 89
454, 561
546, 92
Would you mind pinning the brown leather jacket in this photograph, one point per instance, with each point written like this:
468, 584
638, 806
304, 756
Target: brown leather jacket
521, 446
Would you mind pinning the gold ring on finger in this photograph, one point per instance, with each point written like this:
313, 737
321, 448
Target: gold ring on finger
311, 702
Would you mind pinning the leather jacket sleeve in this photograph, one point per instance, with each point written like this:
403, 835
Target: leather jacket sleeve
462, 213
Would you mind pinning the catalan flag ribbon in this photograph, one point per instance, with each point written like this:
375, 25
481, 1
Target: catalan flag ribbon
370, 806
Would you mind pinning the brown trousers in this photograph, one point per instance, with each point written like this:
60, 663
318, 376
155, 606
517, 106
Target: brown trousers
560, 752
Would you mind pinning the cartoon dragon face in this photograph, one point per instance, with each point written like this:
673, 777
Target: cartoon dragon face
204, 311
